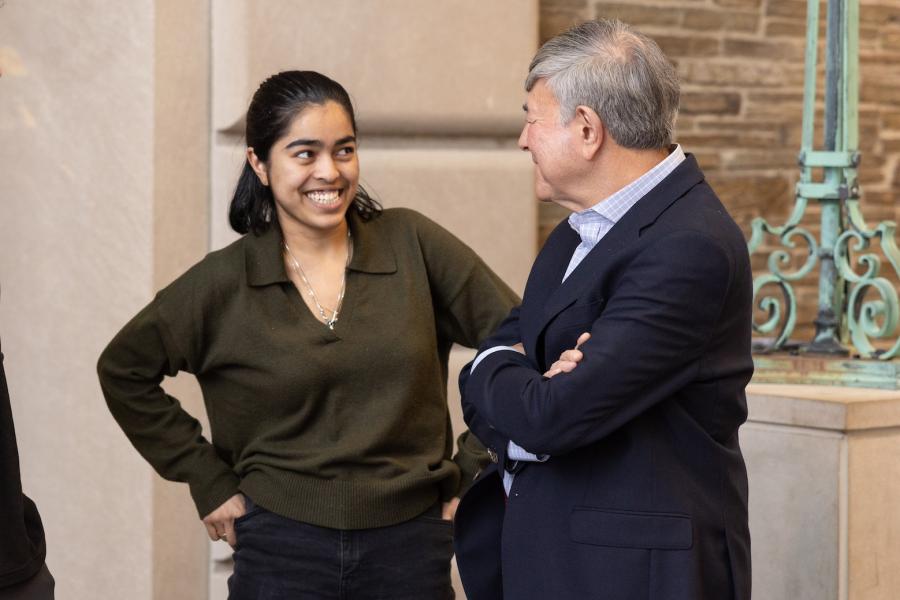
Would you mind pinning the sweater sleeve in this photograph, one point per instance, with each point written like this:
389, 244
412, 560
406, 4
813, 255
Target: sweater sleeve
470, 302
131, 369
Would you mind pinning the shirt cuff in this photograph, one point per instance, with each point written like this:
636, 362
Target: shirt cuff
488, 352
517, 452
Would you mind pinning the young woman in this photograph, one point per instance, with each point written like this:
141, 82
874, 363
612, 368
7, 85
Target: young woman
320, 340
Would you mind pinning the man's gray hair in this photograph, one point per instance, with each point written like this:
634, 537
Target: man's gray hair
620, 73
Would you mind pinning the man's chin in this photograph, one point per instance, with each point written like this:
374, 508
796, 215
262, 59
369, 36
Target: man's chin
543, 192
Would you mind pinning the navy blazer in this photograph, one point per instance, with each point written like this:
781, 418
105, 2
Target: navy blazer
645, 493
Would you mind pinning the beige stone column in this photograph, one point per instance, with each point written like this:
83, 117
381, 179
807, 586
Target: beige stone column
180, 224
103, 199
824, 470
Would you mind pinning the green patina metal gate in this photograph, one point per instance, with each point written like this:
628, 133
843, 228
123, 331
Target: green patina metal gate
857, 306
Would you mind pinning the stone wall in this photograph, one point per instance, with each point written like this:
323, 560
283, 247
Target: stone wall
104, 114
741, 67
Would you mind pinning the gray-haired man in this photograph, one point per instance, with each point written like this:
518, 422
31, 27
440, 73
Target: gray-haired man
617, 472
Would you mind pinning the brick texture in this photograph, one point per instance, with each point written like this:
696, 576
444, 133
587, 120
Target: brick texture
741, 69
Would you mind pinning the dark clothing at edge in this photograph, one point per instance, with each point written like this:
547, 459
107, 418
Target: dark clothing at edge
22, 547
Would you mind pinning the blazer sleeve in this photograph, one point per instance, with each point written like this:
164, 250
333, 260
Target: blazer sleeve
131, 369
646, 345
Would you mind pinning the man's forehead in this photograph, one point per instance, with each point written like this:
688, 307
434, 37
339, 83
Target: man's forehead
539, 97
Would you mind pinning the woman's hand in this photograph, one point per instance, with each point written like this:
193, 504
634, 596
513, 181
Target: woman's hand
220, 522
569, 359
448, 509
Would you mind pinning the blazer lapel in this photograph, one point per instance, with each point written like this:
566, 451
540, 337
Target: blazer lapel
625, 231
544, 280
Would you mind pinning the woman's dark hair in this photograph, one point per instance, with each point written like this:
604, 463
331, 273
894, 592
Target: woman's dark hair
274, 105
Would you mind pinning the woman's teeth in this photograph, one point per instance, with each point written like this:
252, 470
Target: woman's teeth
324, 197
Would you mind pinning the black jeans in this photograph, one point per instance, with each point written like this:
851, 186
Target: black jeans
281, 559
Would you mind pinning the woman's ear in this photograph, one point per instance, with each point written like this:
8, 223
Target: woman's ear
590, 131
258, 166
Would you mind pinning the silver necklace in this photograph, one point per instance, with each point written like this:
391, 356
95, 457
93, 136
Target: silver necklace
329, 321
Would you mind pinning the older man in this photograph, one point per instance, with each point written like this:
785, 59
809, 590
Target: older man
617, 472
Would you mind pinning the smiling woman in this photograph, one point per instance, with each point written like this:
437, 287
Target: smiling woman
320, 340
315, 175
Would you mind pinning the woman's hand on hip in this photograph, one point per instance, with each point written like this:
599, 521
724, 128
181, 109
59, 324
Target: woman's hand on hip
220, 522
448, 509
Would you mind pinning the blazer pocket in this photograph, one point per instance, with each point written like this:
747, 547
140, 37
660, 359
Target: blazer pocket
579, 315
626, 529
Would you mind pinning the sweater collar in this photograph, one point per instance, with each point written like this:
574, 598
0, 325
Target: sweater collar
372, 250
265, 265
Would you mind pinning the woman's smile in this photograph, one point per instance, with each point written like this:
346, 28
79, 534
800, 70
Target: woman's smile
326, 198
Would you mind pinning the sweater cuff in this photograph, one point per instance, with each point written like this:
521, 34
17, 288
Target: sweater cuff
471, 458
469, 467
210, 495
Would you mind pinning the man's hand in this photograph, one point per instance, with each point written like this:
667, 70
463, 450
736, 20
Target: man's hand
220, 522
569, 359
448, 509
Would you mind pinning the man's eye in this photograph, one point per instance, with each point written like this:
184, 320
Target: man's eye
346, 151
305, 154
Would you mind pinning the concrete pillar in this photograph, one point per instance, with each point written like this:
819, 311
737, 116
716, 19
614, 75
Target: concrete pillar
104, 199
181, 158
824, 491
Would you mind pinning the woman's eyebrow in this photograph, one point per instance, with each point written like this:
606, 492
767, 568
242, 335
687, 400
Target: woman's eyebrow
318, 143
304, 142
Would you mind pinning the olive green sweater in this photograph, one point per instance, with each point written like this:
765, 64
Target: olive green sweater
347, 428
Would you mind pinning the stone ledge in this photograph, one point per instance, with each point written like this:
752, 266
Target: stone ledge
824, 407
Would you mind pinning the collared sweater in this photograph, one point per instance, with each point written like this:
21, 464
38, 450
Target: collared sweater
345, 428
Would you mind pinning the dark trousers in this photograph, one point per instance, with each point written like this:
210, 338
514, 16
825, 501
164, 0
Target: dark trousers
39, 587
281, 559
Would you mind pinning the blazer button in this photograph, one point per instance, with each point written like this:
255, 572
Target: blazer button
493, 455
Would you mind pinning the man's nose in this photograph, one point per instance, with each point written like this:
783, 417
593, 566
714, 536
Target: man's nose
523, 138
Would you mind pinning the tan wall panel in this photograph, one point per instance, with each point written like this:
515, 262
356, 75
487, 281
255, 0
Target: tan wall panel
795, 494
228, 156
444, 69
485, 197
181, 237
76, 119
874, 524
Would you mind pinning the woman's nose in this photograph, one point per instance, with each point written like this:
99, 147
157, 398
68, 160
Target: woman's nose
326, 170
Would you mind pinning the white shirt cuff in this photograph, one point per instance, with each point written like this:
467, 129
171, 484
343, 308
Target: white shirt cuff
488, 352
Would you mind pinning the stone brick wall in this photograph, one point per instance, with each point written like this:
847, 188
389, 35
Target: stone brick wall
741, 68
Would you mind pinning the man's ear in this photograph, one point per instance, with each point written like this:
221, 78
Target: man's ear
591, 132
258, 166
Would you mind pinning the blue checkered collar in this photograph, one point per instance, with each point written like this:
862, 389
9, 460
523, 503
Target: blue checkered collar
592, 223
